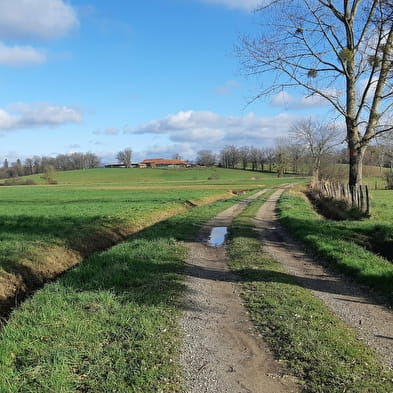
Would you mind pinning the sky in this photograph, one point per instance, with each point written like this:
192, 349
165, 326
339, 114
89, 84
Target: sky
158, 76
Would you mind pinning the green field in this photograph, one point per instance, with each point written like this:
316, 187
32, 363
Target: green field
110, 324
46, 229
163, 177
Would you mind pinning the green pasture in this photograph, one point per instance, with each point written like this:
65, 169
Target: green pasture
90, 207
47, 229
35, 217
164, 177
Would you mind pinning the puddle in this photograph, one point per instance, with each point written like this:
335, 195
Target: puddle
217, 236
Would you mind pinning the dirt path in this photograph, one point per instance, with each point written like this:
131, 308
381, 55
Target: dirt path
347, 300
222, 352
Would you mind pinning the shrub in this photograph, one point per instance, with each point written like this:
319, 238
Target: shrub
16, 181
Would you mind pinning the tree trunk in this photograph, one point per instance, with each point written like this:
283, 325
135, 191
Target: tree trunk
355, 165
315, 169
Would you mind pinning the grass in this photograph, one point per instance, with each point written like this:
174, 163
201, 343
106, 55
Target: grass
159, 177
110, 324
47, 229
313, 344
345, 245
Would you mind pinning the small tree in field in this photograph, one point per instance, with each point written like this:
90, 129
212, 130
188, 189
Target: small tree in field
49, 174
124, 157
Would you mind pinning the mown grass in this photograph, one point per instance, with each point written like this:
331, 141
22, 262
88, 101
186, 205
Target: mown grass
313, 344
110, 324
345, 245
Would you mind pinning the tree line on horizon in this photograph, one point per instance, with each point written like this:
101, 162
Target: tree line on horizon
40, 164
311, 148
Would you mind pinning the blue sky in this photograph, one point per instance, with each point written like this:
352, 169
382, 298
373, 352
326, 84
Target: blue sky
159, 76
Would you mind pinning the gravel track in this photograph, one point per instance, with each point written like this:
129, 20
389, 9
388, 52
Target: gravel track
347, 299
222, 353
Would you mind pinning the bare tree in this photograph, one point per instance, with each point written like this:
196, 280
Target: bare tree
91, 160
254, 155
296, 155
386, 150
262, 158
319, 139
270, 155
229, 156
206, 158
124, 157
281, 159
244, 156
337, 51
28, 166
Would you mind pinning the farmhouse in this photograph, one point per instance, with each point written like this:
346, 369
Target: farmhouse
163, 163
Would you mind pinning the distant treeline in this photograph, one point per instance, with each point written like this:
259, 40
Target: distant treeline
38, 164
291, 157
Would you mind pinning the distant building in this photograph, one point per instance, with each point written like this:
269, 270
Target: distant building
116, 165
153, 163
163, 163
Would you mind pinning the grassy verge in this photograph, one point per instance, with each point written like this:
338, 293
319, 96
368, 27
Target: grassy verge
338, 243
110, 324
315, 345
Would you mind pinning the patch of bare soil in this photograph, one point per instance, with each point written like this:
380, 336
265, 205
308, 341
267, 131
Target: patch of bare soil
351, 302
222, 353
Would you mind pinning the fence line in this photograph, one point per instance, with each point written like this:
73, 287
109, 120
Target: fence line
355, 196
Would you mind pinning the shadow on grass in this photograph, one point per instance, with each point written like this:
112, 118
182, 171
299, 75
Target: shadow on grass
337, 245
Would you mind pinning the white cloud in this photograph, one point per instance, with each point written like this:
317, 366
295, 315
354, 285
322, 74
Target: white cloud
37, 19
185, 150
178, 122
288, 101
209, 130
23, 116
20, 55
247, 5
